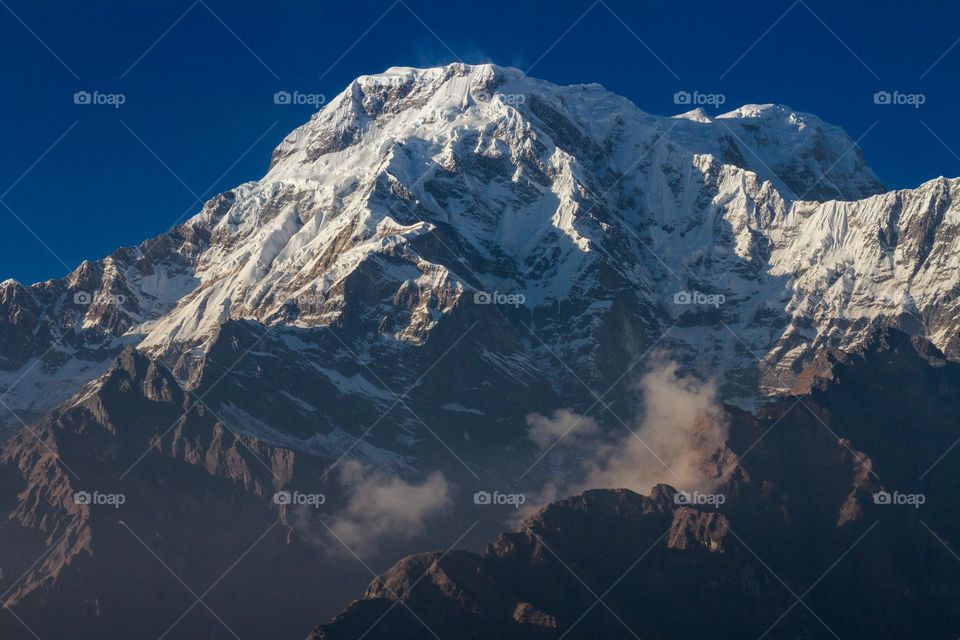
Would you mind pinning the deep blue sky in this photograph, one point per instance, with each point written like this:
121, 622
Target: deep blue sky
199, 98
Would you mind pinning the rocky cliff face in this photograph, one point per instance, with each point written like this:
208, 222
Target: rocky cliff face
134, 486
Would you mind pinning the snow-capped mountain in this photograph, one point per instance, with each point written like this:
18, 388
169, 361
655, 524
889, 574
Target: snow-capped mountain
755, 235
434, 256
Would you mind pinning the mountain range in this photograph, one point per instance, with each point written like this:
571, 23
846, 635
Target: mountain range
441, 275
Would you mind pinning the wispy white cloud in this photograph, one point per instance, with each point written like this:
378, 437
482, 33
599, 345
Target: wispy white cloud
380, 506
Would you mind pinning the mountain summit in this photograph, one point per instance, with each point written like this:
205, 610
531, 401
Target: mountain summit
755, 237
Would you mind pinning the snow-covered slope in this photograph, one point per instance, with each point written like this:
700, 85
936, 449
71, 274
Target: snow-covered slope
416, 188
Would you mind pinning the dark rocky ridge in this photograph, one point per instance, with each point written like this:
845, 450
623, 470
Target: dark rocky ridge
199, 498
798, 500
